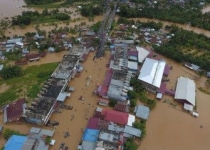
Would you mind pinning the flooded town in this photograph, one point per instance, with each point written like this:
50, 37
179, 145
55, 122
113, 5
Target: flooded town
101, 82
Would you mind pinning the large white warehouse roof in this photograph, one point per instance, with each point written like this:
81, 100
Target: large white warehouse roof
152, 72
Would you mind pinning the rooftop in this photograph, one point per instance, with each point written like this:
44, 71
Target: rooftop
152, 72
90, 135
14, 110
185, 90
132, 131
115, 116
46, 99
15, 142
65, 68
142, 112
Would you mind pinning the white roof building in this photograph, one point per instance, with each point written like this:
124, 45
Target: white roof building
185, 90
132, 65
142, 53
152, 72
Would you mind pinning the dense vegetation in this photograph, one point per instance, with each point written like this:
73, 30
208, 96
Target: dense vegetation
29, 16
11, 72
40, 2
188, 14
90, 10
139, 94
187, 46
130, 145
7, 133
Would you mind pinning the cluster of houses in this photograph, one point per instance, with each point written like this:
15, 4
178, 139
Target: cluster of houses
34, 140
109, 129
128, 61
54, 90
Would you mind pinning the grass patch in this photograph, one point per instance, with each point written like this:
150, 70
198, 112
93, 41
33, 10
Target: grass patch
45, 21
30, 83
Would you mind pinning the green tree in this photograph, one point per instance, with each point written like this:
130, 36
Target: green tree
130, 145
7, 133
47, 140
11, 72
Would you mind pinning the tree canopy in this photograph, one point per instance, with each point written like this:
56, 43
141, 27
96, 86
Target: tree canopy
11, 72
7, 133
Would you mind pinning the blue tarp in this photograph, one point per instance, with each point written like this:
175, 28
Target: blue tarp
90, 135
15, 142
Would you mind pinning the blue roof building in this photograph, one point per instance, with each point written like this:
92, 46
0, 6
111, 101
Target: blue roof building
15, 142
90, 135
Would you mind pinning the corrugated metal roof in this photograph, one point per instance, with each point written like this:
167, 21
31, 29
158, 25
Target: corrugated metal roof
90, 135
132, 131
15, 142
185, 90
142, 53
132, 65
87, 145
152, 72
142, 112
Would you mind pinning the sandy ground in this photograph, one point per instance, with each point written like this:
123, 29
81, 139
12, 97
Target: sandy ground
170, 128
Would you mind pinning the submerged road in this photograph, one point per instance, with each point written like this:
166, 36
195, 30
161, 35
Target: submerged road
105, 26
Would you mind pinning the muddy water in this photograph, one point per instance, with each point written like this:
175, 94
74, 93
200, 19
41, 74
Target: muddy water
96, 69
183, 26
49, 58
21, 32
10, 8
173, 128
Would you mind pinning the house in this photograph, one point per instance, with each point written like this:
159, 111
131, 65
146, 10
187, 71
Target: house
142, 112
93, 123
133, 66
32, 57
14, 40
142, 54
13, 112
15, 142
51, 49
36, 138
122, 107
208, 74
90, 137
151, 74
115, 116
185, 91
130, 131
1, 67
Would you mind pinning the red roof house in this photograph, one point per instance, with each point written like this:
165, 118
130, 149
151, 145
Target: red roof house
115, 116
123, 107
14, 111
93, 123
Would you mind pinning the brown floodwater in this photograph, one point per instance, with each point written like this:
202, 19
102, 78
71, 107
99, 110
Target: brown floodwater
10, 8
31, 28
183, 26
172, 128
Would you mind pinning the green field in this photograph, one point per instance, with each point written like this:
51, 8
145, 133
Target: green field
28, 85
